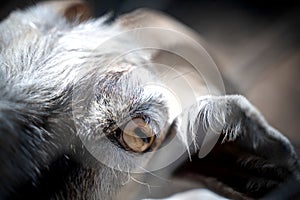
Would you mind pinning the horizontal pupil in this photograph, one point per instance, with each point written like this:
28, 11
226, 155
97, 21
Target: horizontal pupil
141, 135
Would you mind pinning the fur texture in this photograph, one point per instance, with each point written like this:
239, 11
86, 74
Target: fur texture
61, 85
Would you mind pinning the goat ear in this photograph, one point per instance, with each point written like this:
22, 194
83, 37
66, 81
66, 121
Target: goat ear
246, 154
177, 53
41, 17
72, 10
147, 18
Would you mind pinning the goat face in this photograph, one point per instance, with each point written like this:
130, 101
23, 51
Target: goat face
82, 115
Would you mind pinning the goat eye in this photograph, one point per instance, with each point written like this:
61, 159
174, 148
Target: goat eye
137, 135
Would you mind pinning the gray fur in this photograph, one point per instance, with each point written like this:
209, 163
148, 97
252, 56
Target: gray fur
58, 84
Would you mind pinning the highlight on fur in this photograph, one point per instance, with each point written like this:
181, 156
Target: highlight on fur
69, 84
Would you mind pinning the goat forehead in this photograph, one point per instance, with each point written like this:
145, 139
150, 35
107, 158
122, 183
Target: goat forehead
121, 94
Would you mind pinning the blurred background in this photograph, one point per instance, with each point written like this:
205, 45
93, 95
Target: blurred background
256, 45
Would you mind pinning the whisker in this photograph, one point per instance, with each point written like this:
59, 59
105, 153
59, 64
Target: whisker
156, 176
128, 179
142, 183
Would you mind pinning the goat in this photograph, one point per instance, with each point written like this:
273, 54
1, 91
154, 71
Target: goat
89, 108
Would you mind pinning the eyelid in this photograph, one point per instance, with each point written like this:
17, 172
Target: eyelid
151, 122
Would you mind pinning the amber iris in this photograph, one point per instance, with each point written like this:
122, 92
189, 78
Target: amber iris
138, 135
